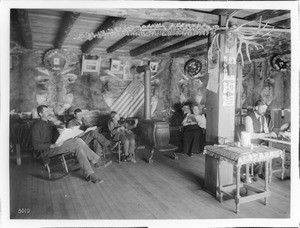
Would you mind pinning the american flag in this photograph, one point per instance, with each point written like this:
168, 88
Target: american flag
131, 100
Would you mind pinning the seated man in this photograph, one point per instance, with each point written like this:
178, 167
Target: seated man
256, 124
44, 136
93, 136
123, 133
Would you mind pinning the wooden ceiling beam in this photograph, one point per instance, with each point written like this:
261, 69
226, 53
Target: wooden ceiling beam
204, 52
25, 30
152, 44
190, 51
180, 44
125, 40
167, 14
266, 14
109, 23
67, 22
283, 23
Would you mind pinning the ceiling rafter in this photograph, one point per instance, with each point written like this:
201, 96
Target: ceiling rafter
109, 23
25, 28
190, 51
266, 14
67, 22
283, 23
125, 40
180, 44
152, 44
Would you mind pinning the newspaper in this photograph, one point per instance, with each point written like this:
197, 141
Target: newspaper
70, 133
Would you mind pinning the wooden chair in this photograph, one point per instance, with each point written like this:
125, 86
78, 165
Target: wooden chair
60, 161
120, 149
49, 166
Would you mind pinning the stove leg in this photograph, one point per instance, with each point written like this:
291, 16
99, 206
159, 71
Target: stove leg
175, 157
150, 159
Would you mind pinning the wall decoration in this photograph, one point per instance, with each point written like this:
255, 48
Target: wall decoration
90, 64
55, 60
278, 63
243, 35
193, 67
153, 66
115, 65
157, 29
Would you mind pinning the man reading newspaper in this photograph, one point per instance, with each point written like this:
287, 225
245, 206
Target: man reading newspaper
91, 135
44, 141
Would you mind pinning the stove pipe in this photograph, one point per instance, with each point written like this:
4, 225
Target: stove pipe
147, 90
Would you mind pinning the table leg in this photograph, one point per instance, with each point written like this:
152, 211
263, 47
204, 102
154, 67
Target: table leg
237, 197
18, 153
219, 188
270, 170
267, 163
282, 165
247, 173
175, 157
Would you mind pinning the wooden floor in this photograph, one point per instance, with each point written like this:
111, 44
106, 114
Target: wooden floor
166, 189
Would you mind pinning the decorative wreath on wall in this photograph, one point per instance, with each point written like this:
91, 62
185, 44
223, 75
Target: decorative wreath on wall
279, 63
193, 67
55, 60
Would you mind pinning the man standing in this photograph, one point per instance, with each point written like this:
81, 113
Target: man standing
44, 136
93, 136
256, 124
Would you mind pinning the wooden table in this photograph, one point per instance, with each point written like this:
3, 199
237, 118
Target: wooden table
285, 146
238, 156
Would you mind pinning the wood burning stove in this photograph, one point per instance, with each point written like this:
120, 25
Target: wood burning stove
153, 134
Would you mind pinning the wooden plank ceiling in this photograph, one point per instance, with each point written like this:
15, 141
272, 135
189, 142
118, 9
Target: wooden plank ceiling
58, 28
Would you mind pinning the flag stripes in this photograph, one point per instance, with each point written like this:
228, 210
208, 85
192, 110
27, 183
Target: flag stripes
130, 100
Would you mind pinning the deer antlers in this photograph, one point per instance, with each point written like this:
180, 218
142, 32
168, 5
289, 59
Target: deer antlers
245, 35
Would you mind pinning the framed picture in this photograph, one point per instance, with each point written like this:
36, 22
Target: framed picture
115, 65
90, 65
153, 66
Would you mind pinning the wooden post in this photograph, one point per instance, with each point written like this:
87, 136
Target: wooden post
221, 95
221, 103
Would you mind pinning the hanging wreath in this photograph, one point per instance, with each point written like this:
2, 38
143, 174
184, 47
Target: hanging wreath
193, 67
55, 60
278, 63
